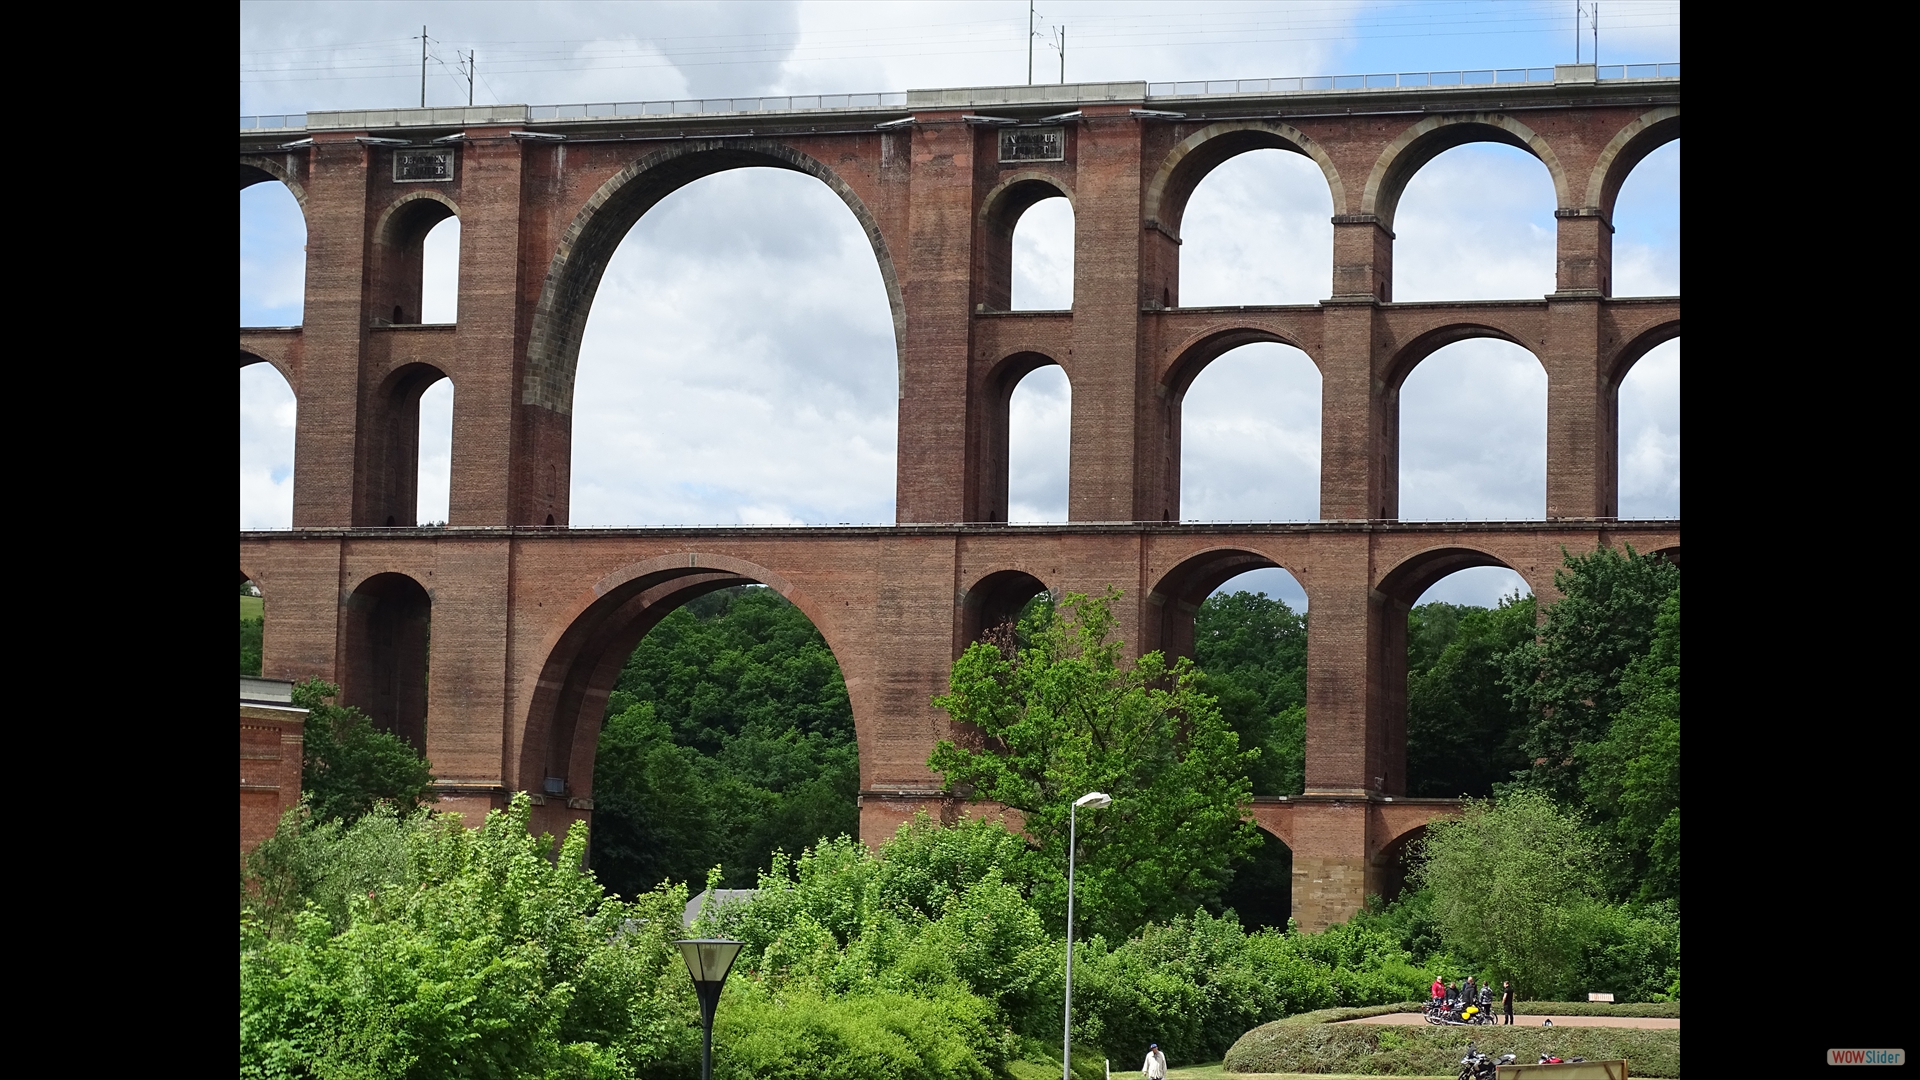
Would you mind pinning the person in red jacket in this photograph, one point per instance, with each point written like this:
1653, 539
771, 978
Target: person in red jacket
1439, 989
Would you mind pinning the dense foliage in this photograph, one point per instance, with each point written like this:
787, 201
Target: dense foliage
410, 946
1570, 880
1253, 650
349, 767
469, 953
1066, 715
942, 912
728, 737
1463, 734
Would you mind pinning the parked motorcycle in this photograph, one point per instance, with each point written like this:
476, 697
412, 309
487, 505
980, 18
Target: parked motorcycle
1548, 1058
1478, 1066
1455, 1014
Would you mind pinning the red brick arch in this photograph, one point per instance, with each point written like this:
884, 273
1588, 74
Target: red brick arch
277, 362
560, 317
994, 396
1631, 351
1176, 596
1434, 136
1000, 212
1409, 356
1190, 357
1418, 572
1648, 132
262, 168
560, 735
994, 598
1189, 162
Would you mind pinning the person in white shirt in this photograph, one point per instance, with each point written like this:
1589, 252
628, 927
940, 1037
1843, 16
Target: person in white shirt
1156, 1066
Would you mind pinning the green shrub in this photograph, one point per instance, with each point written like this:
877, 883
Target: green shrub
478, 955
1196, 984
763, 1034
1427, 1051
1669, 1010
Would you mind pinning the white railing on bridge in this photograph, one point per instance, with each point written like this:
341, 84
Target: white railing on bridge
275, 122
686, 106
1393, 80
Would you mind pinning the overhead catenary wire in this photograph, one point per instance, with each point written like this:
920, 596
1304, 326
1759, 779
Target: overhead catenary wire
983, 38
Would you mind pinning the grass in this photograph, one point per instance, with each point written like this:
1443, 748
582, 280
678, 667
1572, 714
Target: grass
252, 607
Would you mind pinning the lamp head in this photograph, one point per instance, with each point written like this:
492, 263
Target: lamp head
709, 959
1094, 800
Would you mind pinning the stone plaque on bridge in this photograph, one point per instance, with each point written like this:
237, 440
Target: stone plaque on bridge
1032, 144
417, 166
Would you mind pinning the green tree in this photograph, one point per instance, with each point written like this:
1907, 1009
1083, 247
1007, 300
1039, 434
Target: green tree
1066, 716
1568, 681
1511, 882
252, 632
1463, 734
729, 736
1632, 776
1253, 650
349, 767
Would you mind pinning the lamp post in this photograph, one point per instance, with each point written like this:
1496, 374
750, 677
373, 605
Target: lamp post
1093, 800
708, 961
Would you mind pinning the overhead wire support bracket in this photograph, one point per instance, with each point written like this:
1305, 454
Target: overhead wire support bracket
989, 121
549, 136
904, 121
1157, 114
1061, 118
375, 140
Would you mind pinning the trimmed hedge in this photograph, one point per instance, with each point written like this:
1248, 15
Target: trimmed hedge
1405, 1050
1668, 1010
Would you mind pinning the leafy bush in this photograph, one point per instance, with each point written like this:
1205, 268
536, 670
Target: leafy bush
348, 766
478, 956
1399, 1050
1195, 984
1669, 1010
797, 1032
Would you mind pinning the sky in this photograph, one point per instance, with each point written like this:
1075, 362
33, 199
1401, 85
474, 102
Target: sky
738, 364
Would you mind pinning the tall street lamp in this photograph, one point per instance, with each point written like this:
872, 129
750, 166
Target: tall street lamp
1092, 800
708, 961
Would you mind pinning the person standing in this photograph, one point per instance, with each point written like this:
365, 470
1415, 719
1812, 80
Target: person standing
1156, 1064
1506, 998
1438, 991
1469, 993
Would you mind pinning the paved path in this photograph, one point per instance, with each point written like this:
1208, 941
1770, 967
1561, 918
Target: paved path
1524, 1020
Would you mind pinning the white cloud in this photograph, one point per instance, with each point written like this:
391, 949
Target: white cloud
1473, 435
273, 256
1250, 438
738, 365
1649, 413
1476, 223
267, 414
1258, 230
1039, 426
1043, 257
436, 452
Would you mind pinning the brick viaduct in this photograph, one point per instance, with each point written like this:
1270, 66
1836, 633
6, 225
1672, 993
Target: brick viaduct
531, 620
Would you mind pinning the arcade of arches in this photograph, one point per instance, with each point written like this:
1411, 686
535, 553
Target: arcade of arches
531, 620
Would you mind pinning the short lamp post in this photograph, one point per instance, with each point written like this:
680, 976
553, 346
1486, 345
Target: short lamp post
1093, 800
708, 961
